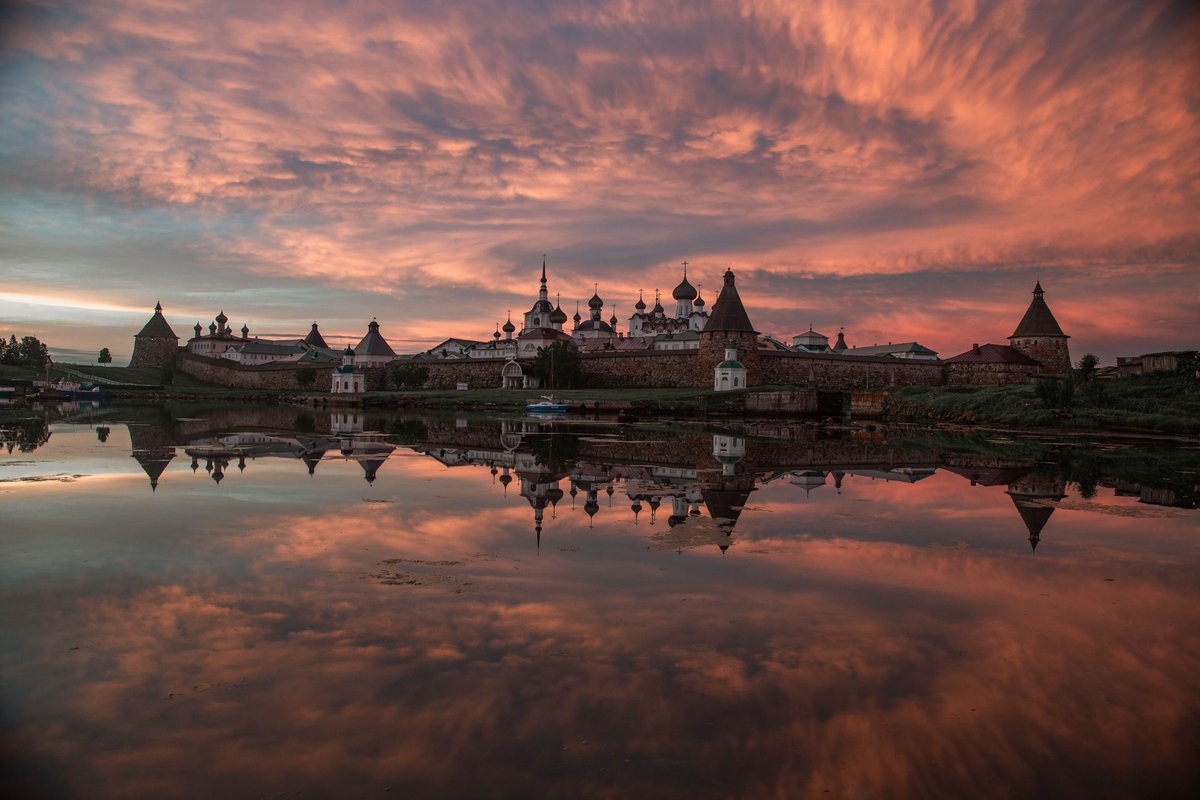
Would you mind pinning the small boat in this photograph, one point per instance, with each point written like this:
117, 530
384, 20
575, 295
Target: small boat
547, 405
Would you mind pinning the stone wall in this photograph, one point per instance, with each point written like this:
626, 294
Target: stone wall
712, 352
828, 371
686, 368
477, 373
653, 370
224, 372
1050, 351
985, 374
153, 351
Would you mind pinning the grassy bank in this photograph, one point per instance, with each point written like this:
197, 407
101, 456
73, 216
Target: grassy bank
1159, 403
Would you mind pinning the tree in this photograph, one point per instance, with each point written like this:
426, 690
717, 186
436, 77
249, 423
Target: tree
558, 366
29, 352
1087, 366
306, 377
105, 356
408, 375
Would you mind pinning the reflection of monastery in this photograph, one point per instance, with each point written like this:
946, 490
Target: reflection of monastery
684, 345
686, 491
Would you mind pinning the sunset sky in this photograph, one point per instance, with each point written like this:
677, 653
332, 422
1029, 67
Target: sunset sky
904, 169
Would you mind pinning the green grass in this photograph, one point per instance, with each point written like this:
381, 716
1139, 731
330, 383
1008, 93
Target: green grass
1160, 402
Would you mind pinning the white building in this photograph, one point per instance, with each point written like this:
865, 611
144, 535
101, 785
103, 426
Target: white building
347, 378
729, 374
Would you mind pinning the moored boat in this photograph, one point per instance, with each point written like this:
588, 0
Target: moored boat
547, 405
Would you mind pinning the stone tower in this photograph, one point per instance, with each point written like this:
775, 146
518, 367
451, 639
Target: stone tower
729, 326
1039, 337
156, 344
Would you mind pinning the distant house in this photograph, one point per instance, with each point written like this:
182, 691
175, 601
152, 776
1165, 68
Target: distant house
1168, 361
908, 350
262, 352
453, 347
991, 365
811, 342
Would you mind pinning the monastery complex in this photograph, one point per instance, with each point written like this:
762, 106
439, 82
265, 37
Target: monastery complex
685, 345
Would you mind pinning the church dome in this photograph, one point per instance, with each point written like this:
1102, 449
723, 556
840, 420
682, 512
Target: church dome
558, 316
595, 302
222, 319
640, 305
509, 327
684, 291
699, 301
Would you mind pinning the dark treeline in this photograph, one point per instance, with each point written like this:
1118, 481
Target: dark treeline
28, 352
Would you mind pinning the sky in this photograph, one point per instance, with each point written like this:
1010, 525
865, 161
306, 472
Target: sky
906, 170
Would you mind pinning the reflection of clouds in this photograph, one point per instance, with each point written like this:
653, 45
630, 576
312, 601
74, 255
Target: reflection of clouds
878, 668
815, 139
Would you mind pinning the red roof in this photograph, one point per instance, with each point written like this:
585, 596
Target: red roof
992, 354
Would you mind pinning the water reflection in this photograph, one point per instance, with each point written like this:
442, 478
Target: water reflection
279, 603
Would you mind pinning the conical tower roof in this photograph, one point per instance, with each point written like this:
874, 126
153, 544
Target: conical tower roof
1038, 321
157, 327
728, 313
373, 344
315, 338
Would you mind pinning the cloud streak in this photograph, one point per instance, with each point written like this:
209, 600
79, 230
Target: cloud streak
417, 151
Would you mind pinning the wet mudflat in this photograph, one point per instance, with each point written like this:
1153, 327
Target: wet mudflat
293, 606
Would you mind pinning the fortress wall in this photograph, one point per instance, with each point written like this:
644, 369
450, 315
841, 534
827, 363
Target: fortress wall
848, 372
224, 372
477, 373
650, 370
999, 374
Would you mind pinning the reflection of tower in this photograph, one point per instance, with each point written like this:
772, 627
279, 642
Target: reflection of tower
726, 497
729, 450
810, 479
152, 450
346, 422
1034, 496
540, 487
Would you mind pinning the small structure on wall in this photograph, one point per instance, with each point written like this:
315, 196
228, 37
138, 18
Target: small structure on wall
347, 378
730, 373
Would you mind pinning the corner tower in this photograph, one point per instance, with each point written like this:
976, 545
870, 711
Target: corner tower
155, 344
729, 326
1039, 336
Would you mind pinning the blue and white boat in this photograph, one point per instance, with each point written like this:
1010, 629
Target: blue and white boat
547, 405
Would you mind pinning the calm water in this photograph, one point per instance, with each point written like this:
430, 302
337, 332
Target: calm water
275, 603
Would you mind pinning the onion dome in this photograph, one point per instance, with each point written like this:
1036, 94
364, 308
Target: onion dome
198, 329
245, 331
658, 309
508, 326
699, 301
558, 316
212, 328
222, 319
577, 317
640, 305
348, 351
496, 335
684, 291
613, 319
596, 302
